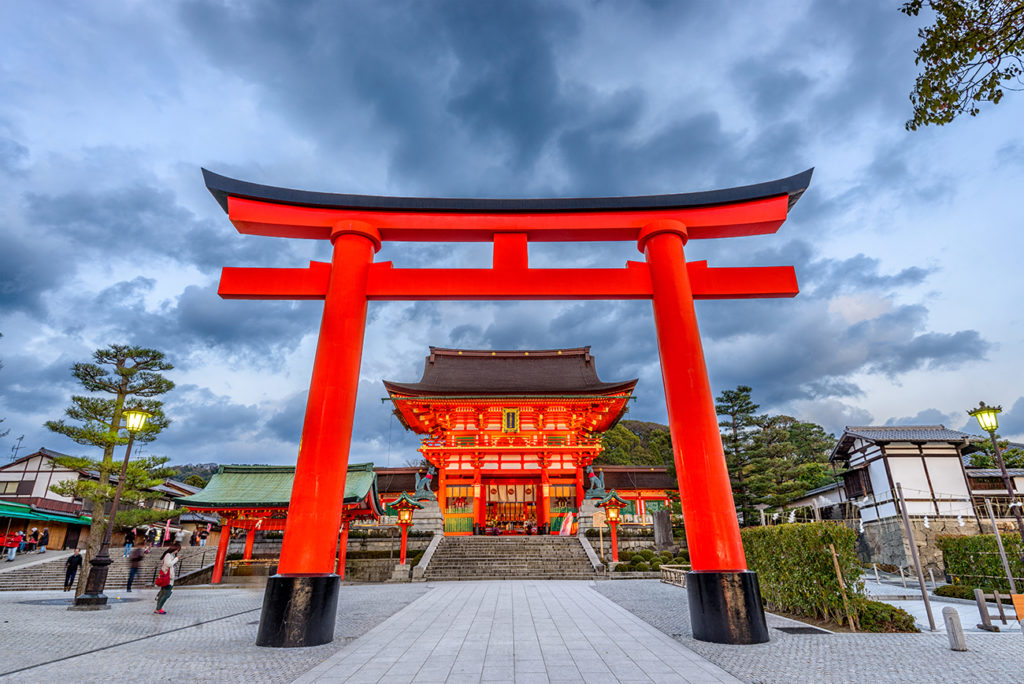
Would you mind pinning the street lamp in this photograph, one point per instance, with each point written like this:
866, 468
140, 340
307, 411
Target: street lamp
988, 419
405, 506
612, 504
94, 598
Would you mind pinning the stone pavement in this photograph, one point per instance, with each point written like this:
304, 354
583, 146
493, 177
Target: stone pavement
827, 657
207, 635
514, 631
523, 631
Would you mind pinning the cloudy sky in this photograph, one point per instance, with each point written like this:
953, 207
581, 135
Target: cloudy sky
907, 246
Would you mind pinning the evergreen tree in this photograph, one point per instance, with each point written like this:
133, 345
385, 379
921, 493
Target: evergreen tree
633, 442
787, 458
195, 481
131, 377
1012, 458
738, 410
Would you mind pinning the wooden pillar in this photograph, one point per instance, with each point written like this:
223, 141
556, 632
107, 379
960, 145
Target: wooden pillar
250, 537
315, 511
405, 542
479, 497
723, 596
579, 485
342, 549
544, 509
442, 492
712, 529
615, 541
222, 552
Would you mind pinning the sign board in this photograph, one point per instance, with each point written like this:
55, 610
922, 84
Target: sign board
600, 520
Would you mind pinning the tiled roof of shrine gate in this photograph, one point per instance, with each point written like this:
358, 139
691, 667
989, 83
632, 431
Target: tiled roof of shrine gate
469, 372
222, 187
261, 486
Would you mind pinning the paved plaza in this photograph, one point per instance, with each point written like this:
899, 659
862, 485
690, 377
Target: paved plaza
513, 631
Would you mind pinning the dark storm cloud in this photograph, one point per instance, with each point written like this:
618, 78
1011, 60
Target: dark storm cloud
857, 274
929, 416
30, 387
13, 155
28, 269
156, 223
1011, 422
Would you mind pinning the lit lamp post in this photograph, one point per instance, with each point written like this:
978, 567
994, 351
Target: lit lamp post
405, 506
612, 504
94, 598
988, 419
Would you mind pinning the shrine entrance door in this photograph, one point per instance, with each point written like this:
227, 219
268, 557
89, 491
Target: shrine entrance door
511, 506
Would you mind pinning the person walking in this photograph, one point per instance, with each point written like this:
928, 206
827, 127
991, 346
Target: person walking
167, 563
129, 541
12, 544
134, 563
203, 537
71, 566
44, 539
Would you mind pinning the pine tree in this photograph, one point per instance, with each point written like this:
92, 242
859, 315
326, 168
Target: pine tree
131, 376
738, 409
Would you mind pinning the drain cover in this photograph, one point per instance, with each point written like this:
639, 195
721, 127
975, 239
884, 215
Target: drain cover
802, 630
68, 601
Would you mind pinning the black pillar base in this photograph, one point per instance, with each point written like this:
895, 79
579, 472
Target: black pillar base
725, 607
90, 602
299, 610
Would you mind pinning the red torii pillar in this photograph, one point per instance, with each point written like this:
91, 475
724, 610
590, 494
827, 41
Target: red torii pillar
342, 549
301, 601
222, 551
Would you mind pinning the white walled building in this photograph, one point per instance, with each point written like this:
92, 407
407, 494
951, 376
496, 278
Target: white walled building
926, 460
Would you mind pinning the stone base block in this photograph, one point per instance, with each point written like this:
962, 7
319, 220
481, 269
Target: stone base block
725, 607
299, 610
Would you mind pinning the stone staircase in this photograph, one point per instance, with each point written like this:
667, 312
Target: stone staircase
48, 573
498, 558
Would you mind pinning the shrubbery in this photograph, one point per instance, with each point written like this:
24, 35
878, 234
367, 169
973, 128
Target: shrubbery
875, 616
974, 560
960, 591
641, 567
796, 573
964, 591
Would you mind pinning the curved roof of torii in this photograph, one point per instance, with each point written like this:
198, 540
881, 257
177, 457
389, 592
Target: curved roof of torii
221, 187
509, 372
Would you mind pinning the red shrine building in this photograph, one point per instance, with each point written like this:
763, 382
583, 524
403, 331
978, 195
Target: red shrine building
510, 434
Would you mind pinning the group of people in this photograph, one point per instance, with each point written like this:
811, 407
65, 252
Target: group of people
168, 563
14, 543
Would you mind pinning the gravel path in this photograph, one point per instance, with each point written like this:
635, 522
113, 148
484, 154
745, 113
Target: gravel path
794, 658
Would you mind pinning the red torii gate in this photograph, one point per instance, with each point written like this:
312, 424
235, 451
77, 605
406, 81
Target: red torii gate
301, 601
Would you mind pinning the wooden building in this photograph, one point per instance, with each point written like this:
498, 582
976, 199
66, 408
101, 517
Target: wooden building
510, 436
926, 460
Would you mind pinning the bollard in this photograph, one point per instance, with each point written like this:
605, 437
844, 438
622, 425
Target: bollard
903, 577
875, 566
932, 575
954, 630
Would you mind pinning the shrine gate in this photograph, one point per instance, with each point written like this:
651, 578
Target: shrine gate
300, 604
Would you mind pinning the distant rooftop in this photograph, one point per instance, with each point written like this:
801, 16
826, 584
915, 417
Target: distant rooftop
894, 433
493, 371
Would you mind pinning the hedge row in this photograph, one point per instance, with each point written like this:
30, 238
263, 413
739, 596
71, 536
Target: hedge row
795, 569
974, 560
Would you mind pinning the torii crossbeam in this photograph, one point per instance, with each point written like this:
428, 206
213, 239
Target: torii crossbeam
299, 608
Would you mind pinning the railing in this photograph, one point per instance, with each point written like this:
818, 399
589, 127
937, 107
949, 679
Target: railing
674, 574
